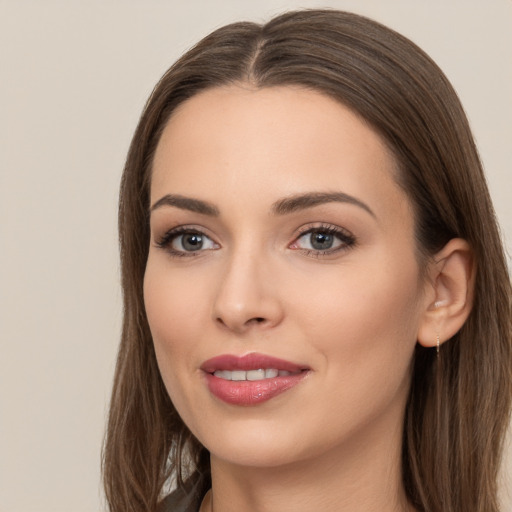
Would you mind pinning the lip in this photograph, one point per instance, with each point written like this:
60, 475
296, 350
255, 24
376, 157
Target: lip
247, 393
253, 361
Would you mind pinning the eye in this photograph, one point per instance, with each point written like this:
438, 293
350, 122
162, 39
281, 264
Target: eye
319, 241
323, 240
181, 241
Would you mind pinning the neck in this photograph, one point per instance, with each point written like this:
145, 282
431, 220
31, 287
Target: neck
362, 476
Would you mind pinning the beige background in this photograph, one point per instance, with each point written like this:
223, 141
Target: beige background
74, 77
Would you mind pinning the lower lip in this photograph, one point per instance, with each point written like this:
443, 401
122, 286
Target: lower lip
253, 392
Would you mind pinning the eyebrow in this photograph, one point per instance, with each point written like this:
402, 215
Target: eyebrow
282, 207
304, 201
187, 203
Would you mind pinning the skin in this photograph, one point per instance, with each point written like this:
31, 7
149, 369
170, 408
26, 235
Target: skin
353, 316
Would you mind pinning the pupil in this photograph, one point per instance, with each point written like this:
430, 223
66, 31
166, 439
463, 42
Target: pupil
192, 242
321, 241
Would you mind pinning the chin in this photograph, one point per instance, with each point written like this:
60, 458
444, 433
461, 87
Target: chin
260, 444
253, 444
269, 456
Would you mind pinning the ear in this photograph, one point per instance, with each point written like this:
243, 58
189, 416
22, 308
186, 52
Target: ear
448, 293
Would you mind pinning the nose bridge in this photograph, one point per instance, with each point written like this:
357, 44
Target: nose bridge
246, 296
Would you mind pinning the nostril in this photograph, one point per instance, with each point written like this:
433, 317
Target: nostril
238, 324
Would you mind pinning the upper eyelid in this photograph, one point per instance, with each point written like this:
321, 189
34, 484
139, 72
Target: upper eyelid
184, 228
333, 228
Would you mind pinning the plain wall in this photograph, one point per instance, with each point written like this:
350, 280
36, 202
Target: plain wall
74, 78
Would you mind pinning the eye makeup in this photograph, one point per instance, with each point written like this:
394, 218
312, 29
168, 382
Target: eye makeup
323, 240
185, 241
313, 240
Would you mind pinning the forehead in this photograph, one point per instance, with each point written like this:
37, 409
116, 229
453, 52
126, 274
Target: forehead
270, 142
255, 114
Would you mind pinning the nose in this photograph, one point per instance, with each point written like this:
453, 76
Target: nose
247, 297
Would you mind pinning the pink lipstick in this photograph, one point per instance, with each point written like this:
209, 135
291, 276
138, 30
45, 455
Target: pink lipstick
251, 379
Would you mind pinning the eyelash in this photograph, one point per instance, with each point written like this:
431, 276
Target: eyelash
345, 237
165, 242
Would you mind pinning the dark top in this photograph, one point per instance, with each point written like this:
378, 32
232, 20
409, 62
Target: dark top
187, 499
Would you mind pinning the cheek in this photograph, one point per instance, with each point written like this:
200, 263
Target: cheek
364, 330
174, 306
367, 318
174, 310
174, 301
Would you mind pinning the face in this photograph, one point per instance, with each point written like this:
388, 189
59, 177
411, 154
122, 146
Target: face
282, 286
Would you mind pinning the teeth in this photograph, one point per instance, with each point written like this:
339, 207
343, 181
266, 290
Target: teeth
255, 374
261, 374
223, 374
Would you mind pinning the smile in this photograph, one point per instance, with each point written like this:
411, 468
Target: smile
251, 379
240, 375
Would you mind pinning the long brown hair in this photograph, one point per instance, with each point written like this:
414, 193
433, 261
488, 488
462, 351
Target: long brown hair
459, 404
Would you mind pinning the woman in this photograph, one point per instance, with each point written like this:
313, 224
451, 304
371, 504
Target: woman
317, 305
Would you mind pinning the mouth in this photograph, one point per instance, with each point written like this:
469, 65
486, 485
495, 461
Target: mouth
251, 379
251, 375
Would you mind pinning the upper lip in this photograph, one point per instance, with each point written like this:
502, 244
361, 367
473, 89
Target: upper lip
253, 361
